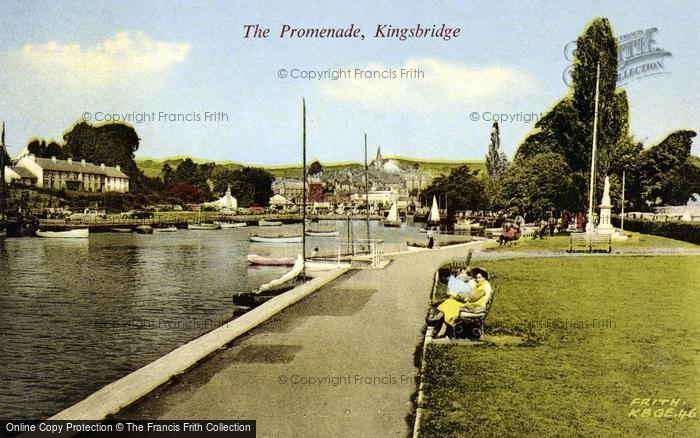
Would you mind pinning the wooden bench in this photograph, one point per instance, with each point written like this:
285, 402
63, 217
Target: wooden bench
469, 324
460, 262
587, 242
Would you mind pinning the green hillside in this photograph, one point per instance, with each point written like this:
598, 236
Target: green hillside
152, 166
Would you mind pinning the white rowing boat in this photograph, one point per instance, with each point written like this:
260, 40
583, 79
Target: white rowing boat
275, 239
233, 224
264, 223
322, 233
204, 226
81, 233
165, 230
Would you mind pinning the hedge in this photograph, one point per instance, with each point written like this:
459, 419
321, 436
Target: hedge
679, 230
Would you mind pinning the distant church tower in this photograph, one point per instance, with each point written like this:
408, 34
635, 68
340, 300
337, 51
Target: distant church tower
378, 160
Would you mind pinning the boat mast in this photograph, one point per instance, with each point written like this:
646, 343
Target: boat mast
2, 172
303, 175
367, 189
590, 226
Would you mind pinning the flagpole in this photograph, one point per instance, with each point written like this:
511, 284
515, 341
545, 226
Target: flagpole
367, 190
303, 207
590, 226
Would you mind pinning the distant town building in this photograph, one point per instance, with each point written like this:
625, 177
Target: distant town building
226, 202
377, 198
70, 175
19, 174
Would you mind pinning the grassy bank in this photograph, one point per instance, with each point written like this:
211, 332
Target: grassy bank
636, 241
598, 333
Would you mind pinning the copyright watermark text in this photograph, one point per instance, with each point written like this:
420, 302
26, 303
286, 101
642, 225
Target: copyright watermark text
337, 74
492, 116
156, 117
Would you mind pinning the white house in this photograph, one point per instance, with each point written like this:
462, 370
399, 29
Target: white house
67, 174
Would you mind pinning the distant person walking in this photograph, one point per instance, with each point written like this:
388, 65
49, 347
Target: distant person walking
431, 238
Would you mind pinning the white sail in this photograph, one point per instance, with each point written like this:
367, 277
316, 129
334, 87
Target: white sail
393, 213
291, 275
434, 212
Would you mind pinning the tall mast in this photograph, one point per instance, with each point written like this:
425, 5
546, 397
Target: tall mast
367, 189
303, 176
2, 172
589, 225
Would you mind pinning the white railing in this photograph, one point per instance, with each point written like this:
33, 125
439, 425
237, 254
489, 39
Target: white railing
363, 249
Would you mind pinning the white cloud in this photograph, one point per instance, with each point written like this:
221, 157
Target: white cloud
124, 56
443, 83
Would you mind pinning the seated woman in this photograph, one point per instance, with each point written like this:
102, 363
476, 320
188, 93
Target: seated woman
475, 302
507, 235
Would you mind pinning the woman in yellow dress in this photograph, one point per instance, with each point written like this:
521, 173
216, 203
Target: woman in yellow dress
476, 302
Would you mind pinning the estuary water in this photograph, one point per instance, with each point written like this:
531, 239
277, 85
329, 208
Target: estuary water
77, 314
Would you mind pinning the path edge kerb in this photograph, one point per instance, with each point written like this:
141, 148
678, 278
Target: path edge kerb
119, 394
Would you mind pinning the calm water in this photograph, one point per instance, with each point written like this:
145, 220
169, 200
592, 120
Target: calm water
76, 315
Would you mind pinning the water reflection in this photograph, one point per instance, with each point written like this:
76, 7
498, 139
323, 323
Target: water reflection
77, 314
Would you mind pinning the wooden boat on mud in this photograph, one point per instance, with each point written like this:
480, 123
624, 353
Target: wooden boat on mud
80, 233
255, 259
270, 290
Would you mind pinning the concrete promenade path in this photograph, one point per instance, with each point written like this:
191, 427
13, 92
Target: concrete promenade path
338, 363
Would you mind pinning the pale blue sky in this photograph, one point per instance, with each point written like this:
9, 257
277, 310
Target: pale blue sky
64, 58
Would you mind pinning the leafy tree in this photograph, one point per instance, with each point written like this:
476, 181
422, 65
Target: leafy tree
186, 192
167, 174
43, 150
536, 186
465, 190
496, 161
249, 185
315, 168
112, 144
666, 173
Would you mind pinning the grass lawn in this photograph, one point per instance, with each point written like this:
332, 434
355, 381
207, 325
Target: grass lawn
636, 241
599, 333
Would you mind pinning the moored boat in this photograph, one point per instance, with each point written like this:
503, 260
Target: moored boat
393, 220
434, 217
271, 289
275, 239
170, 229
80, 233
203, 226
233, 224
322, 232
255, 259
120, 230
264, 223
144, 229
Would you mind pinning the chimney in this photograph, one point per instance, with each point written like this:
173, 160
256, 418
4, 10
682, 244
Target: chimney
32, 157
70, 161
53, 158
102, 166
82, 162
118, 167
